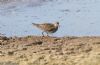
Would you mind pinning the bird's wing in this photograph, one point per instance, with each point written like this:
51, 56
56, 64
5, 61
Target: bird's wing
47, 26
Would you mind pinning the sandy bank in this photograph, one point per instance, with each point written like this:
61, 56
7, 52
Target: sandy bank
37, 50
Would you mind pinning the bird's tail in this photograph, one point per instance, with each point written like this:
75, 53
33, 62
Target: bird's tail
34, 24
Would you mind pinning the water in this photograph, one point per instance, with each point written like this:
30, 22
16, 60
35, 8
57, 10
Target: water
76, 17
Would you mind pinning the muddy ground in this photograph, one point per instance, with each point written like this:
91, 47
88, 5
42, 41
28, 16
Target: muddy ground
37, 50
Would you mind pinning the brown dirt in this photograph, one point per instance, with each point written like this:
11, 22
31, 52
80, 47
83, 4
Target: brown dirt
37, 50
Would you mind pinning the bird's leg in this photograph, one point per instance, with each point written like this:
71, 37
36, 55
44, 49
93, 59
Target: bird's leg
43, 34
47, 34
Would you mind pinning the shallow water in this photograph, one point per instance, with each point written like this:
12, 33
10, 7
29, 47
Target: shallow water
76, 17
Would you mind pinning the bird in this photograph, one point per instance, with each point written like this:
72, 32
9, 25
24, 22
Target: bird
47, 27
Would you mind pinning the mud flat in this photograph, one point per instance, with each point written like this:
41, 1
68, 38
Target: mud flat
37, 50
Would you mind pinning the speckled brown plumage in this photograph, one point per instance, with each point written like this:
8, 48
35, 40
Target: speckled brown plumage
47, 27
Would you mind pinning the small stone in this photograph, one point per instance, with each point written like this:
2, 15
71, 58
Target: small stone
1, 54
24, 49
34, 43
38, 42
10, 52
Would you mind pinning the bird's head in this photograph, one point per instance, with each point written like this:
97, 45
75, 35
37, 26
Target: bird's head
57, 24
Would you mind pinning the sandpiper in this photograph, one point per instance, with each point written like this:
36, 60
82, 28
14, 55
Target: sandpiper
47, 27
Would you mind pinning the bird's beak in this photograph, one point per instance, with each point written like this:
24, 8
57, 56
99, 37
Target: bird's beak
58, 25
